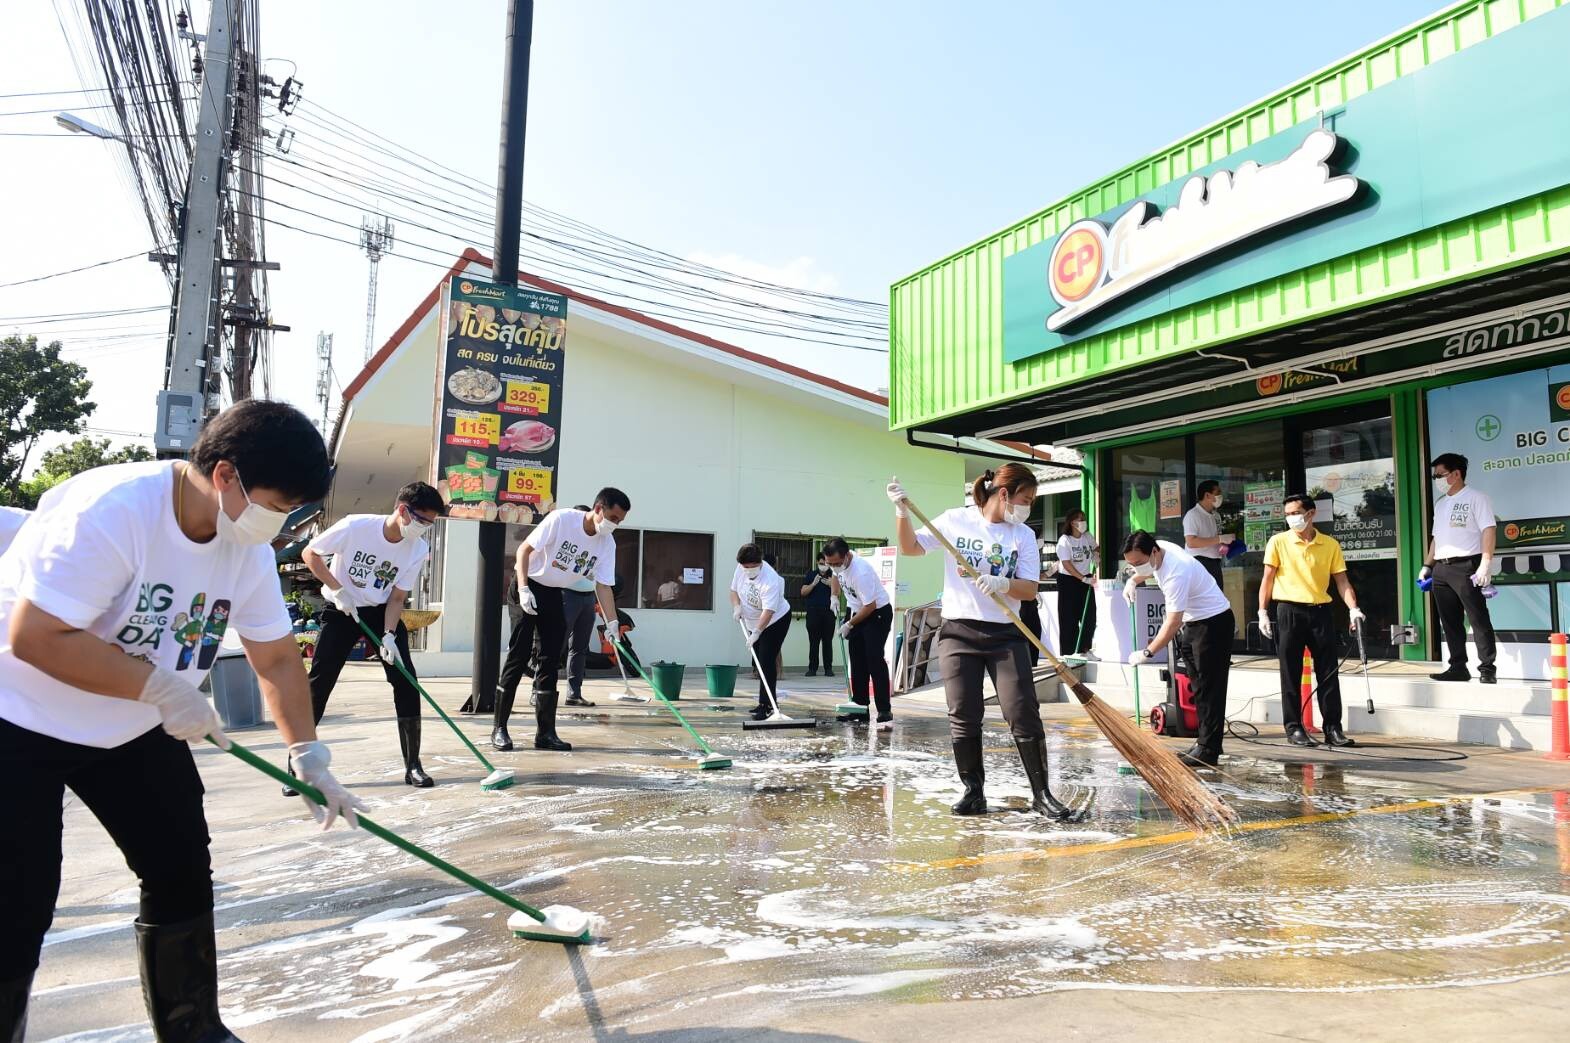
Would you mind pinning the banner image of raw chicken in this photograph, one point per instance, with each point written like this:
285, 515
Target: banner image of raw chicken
498, 394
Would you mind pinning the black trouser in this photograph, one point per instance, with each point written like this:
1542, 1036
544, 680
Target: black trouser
865, 646
1311, 627
1030, 615
550, 620
578, 621
147, 795
820, 636
336, 639
1208, 650
1455, 596
968, 650
1212, 566
1076, 616
767, 650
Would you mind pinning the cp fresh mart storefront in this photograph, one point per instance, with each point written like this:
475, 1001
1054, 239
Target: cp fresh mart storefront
1317, 293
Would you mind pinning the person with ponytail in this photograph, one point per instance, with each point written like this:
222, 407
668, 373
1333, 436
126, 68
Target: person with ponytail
977, 638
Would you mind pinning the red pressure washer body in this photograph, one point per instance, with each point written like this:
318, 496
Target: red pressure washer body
1178, 716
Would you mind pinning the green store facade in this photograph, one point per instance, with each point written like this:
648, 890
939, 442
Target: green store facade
1318, 293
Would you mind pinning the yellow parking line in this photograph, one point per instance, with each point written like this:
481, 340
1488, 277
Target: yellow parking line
1161, 839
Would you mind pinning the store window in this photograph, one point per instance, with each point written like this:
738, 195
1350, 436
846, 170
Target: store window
678, 570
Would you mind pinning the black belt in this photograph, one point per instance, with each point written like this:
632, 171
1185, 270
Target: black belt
1458, 561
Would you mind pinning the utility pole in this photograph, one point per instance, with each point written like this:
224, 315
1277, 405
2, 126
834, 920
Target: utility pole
509, 227
183, 404
324, 375
376, 240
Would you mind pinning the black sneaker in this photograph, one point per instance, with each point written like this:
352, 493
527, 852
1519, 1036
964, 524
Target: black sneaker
1298, 737
1451, 675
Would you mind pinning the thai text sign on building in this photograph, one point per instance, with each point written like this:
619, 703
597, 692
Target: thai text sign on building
498, 393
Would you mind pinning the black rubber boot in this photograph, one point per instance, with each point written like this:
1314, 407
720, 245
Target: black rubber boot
545, 723
1033, 754
180, 981
409, 739
500, 740
967, 760
13, 1008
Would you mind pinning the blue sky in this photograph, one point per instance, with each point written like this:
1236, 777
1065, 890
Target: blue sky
836, 145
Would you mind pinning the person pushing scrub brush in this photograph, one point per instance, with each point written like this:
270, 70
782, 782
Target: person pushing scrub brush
977, 639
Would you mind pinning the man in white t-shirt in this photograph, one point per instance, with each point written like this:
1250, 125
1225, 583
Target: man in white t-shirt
567, 546
867, 629
757, 598
376, 560
114, 601
1202, 535
1460, 562
1195, 605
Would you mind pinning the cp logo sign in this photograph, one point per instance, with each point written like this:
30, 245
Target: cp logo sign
1079, 262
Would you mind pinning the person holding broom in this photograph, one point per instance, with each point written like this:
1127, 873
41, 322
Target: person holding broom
568, 546
978, 639
113, 603
757, 598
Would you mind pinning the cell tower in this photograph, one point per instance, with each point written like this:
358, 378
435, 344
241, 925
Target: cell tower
376, 239
324, 371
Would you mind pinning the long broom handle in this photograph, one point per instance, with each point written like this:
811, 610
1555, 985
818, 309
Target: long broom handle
755, 662
407, 676
965, 569
661, 696
378, 830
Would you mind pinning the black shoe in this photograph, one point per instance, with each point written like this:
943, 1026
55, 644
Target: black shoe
289, 791
1334, 736
13, 1007
180, 980
967, 760
1487, 679
1033, 755
500, 740
1451, 674
1198, 758
575, 699
409, 741
1298, 737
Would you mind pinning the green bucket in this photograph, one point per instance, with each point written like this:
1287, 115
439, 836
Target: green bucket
667, 678
722, 681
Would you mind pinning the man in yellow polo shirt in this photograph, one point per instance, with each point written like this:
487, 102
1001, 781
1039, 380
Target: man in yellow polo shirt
1299, 565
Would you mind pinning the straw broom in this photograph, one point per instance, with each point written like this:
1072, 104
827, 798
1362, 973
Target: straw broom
1177, 786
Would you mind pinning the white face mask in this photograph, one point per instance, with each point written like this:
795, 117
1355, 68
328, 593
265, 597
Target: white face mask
604, 526
1298, 522
751, 571
1144, 571
1079, 528
1018, 513
256, 525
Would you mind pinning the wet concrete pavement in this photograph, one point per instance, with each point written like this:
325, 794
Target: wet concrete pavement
820, 889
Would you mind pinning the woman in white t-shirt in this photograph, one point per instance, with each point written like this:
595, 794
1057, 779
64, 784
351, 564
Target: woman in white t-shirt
757, 598
1077, 551
114, 600
977, 638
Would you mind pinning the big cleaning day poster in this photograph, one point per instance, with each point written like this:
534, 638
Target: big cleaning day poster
498, 393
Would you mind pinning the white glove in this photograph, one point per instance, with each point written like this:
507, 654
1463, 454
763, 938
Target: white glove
527, 602
845, 630
736, 611
1482, 577
992, 584
310, 760
334, 597
389, 649
896, 494
1357, 617
1129, 589
1268, 630
1138, 657
186, 713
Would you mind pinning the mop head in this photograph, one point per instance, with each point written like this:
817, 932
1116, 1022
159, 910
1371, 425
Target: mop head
777, 721
713, 762
562, 924
501, 778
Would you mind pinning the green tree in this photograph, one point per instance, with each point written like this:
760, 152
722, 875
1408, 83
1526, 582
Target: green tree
40, 393
63, 461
